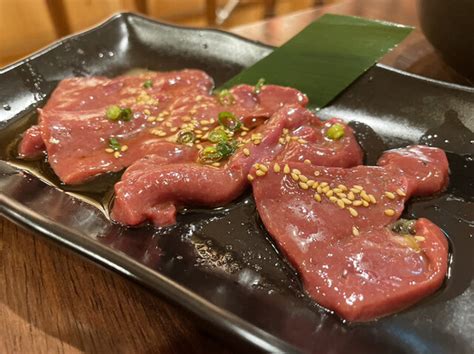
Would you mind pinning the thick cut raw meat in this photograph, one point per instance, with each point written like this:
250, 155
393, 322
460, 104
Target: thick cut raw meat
76, 132
334, 225
151, 190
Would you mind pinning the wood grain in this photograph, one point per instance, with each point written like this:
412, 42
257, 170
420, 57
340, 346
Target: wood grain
52, 301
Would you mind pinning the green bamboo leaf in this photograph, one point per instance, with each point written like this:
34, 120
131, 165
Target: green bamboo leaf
326, 57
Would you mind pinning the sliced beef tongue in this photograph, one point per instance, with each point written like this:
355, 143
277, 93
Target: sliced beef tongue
339, 228
155, 190
76, 131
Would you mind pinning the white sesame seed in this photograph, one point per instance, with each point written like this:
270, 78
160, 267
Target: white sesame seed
303, 178
124, 148
353, 212
246, 151
355, 231
296, 171
263, 168
307, 162
317, 173
357, 203
329, 193
333, 199
109, 150
286, 169
317, 197
260, 173
303, 185
276, 167
401, 193
117, 154
389, 212
389, 195
250, 177
340, 204
294, 176
372, 199
346, 201
364, 196
420, 238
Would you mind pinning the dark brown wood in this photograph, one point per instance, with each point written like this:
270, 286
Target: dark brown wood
141, 6
211, 12
51, 300
57, 12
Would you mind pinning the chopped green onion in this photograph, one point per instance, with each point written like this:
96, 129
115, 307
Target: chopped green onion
226, 148
404, 227
113, 112
126, 114
114, 144
258, 85
225, 97
217, 135
185, 137
148, 84
116, 113
335, 132
229, 121
210, 154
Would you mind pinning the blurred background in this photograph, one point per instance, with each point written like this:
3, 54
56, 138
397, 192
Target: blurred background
27, 25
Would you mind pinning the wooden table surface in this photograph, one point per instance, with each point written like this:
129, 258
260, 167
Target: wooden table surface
52, 300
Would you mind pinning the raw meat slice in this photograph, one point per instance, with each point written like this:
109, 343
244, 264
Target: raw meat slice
76, 130
426, 167
31, 145
335, 227
154, 191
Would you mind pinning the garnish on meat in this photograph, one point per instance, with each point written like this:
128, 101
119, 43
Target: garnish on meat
157, 191
83, 113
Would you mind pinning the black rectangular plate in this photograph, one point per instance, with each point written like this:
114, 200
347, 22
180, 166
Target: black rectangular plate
220, 264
